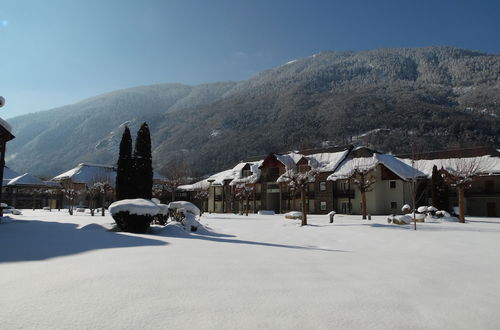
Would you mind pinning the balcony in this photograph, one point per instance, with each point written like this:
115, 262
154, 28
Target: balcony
344, 194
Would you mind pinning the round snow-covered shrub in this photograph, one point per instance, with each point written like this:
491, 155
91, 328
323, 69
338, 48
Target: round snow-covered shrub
189, 207
406, 209
132, 223
422, 209
133, 215
293, 215
189, 222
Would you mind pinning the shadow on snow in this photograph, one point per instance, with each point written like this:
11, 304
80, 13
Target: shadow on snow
23, 240
175, 230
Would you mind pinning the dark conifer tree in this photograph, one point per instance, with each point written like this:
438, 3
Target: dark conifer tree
142, 164
125, 173
439, 190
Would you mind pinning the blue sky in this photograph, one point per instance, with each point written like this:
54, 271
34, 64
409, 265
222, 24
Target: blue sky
56, 52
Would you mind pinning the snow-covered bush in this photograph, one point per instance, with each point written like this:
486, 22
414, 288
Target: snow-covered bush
189, 207
133, 215
189, 222
161, 217
293, 215
402, 220
422, 209
406, 209
442, 214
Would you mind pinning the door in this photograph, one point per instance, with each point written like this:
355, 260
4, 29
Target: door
491, 209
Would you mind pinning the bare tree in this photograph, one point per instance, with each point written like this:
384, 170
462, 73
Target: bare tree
299, 181
243, 191
176, 171
202, 195
71, 195
364, 180
460, 173
98, 190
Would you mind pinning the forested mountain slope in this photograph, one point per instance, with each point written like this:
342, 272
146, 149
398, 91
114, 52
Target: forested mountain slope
435, 97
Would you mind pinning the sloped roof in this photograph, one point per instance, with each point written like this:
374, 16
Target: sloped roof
487, 165
91, 173
9, 174
29, 180
232, 175
401, 169
88, 173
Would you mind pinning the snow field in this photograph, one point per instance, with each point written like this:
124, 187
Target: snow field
262, 271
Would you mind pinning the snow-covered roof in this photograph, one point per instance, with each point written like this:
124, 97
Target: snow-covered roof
327, 161
290, 159
9, 174
233, 175
347, 167
91, 173
88, 174
487, 165
29, 180
6, 125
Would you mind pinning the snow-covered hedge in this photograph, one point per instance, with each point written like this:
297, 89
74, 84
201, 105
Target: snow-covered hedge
133, 215
136, 206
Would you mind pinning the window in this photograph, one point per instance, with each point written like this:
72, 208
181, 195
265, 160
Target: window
344, 185
322, 206
489, 186
273, 188
392, 184
273, 171
394, 205
322, 186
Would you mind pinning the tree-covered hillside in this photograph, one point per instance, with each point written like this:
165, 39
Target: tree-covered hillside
437, 97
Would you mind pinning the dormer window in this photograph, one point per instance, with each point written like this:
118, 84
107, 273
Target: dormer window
246, 173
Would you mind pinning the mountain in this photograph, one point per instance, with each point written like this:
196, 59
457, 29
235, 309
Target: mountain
433, 97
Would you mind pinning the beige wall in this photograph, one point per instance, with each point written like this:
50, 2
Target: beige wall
378, 201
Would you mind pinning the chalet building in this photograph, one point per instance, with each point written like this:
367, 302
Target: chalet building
483, 197
391, 183
5, 136
26, 191
334, 188
85, 175
325, 194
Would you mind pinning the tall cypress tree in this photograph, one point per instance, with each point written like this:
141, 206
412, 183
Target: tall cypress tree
124, 173
439, 190
142, 164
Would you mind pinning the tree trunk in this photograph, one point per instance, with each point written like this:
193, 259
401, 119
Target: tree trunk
246, 206
303, 201
103, 203
461, 203
363, 203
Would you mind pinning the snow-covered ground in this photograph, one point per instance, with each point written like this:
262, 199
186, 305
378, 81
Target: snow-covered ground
262, 271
